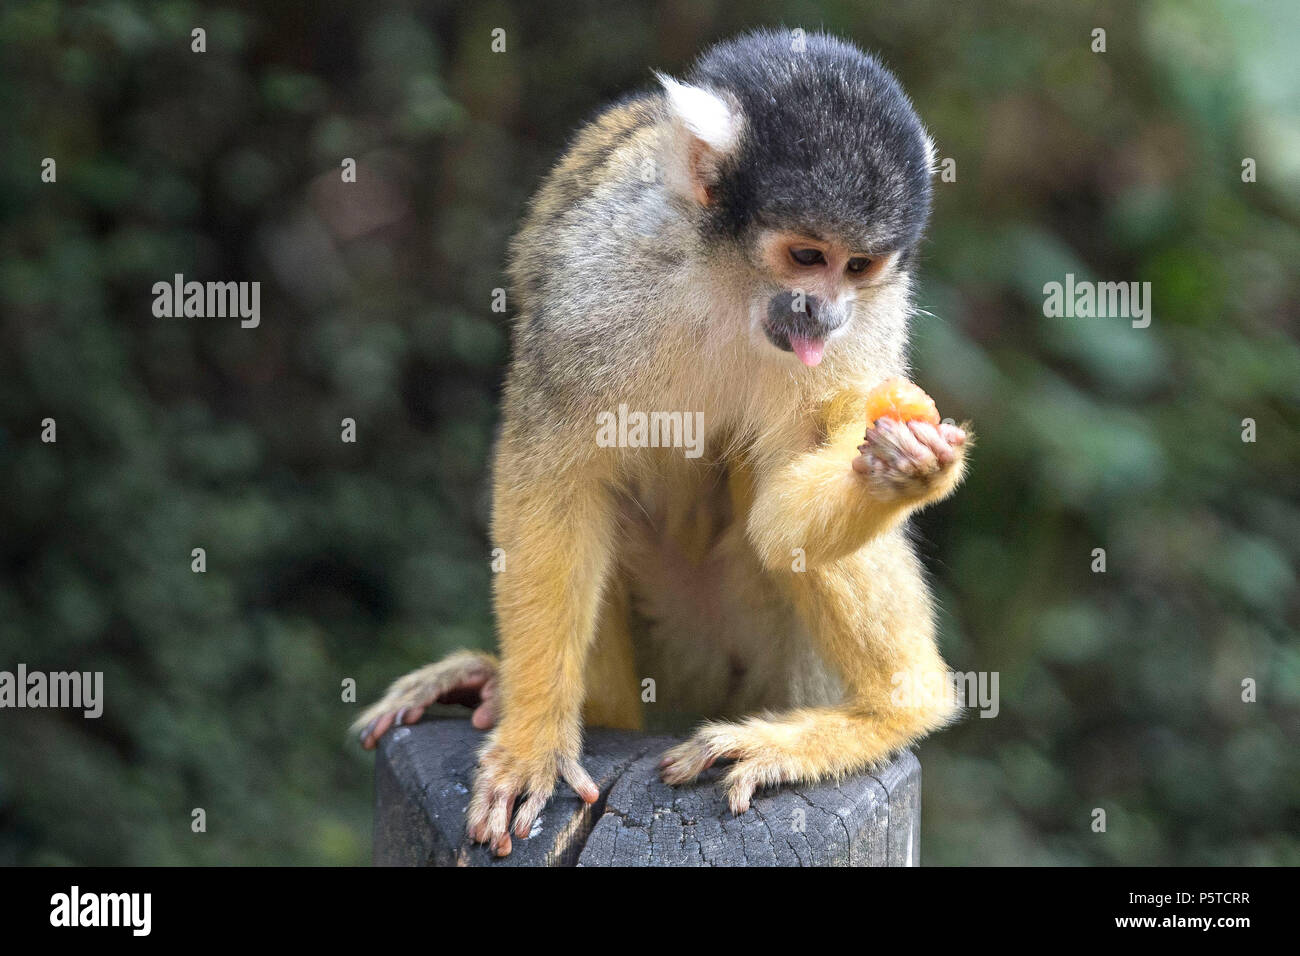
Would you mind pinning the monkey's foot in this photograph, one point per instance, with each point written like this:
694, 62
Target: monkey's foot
466, 677
755, 765
912, 459
504, 778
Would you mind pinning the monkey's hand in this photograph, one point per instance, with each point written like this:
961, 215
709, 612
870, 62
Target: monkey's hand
504, 777
466, 677
757, 762
811, 743
911, 460
815, 506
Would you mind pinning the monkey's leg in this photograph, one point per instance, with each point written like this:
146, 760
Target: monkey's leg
557, 533
828, 503
870, 616
465, 677
613, 691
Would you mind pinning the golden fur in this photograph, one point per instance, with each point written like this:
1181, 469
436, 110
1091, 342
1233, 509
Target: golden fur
768, 584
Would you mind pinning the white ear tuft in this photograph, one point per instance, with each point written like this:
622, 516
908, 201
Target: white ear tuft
704, 114
931, 155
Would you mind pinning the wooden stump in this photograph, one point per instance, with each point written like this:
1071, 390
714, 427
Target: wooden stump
423, 775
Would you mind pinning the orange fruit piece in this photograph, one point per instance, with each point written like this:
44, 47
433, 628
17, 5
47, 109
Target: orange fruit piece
899, 399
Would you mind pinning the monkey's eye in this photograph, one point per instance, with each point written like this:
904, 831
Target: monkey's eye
807, 257
859, 264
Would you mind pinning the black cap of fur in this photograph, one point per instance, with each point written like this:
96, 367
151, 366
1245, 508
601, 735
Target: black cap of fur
831, 143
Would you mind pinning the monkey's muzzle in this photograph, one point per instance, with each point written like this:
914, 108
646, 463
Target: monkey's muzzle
799, 323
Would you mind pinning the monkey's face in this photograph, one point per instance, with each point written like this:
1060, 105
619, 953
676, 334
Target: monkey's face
813, 162
817, 282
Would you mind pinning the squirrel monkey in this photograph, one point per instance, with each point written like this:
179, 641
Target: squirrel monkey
733, 250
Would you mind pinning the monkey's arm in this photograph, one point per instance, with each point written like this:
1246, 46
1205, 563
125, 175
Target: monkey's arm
863, 600
870, 617
831, 501
556, 529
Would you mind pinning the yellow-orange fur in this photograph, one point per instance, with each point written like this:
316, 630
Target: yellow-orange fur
767, 582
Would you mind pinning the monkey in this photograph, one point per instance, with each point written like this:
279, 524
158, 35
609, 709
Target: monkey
739, 243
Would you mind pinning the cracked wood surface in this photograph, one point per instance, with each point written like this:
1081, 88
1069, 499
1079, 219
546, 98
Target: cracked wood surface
423, 775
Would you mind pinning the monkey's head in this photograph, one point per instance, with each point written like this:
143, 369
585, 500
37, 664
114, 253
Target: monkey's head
805, 164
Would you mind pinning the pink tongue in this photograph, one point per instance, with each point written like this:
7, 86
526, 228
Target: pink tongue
809, 351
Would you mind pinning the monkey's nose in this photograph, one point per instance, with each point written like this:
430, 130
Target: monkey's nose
798, 323
802, 315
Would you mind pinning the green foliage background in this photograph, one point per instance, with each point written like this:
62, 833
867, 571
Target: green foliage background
328, 560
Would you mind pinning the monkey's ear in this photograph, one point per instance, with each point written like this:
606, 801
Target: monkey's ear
704, 131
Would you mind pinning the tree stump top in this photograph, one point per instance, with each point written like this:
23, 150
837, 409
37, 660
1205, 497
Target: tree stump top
423, 774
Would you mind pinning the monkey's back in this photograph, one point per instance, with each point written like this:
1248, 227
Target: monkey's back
588, 328
557, 220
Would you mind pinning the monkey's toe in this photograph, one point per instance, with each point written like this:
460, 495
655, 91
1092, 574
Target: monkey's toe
750, 775
503, 779
757, 763
686, 761
467, 677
